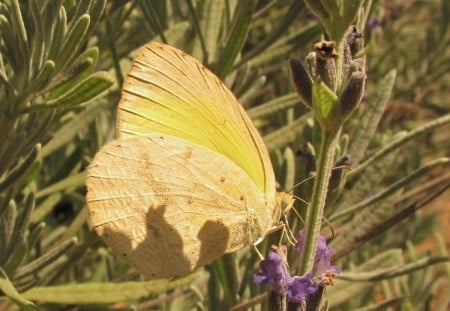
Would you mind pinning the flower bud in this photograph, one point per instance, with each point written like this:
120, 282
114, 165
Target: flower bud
326, 67
352, 93
353, 40
302, 81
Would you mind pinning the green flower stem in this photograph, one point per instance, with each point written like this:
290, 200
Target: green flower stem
340, 66
315, 209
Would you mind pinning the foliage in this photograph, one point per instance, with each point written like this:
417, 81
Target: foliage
62, 64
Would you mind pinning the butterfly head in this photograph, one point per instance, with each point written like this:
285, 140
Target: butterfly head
284, 202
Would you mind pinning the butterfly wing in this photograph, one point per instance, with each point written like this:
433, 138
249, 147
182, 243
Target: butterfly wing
170, 206
169, 92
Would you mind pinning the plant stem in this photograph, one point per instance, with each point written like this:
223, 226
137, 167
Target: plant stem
315, 210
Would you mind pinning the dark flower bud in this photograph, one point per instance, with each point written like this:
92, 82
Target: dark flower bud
353, 40
302, 81
326, 67
352, 93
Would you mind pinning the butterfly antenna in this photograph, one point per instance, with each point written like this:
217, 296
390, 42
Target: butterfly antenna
300, 199
313, 175
301, 182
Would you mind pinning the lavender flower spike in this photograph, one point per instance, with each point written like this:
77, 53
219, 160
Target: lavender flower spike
275, 272
322, 259
300, 287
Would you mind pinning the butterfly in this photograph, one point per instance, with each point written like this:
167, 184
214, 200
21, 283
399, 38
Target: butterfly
188, 178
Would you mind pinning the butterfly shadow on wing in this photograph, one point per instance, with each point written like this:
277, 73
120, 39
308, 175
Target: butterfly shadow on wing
161, 251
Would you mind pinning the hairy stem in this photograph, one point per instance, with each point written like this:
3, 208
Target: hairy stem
315, 210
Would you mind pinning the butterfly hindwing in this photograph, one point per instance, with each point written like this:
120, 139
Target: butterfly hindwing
170, 206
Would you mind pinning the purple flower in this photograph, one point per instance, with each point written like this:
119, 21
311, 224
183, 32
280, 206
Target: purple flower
300, 287
322, 258
275, 273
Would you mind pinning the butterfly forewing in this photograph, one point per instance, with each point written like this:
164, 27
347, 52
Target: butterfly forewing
169, 92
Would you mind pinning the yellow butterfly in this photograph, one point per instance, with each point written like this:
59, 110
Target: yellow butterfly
189, 177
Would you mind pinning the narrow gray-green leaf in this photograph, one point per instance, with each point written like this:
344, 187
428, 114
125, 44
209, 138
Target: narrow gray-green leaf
389, 273
370, 119
21, 226
236, 37
287, 45
57, 34
273, 106
397, 143
10, 153
45, 259
66, 133
8, 289
72, 42
403, 182
21, 32
20, 169
104, 293
96, 12
44, 77
79, 70
38, 40
369, 182
76, 180
343, 291
289, 133
7, 223
82, 93
212, 27
384, 305
291, 15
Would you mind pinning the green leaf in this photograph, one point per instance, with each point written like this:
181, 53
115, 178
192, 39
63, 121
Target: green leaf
8, 289
21, 227
392, 272
66, 133
274, 106
44, 260
96, 12
343, 291
7, 224
75, 180
104, 293
236, 37
83, 92
44, 76
370, 119
38, 46
56, 36
72, 42
20, 169
11, 150
213, 26
395, 187
325, 105
82, 67
292, 14
399, 142
286, 134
